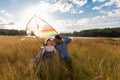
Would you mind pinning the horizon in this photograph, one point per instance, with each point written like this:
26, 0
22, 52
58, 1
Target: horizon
63, 15
66, 32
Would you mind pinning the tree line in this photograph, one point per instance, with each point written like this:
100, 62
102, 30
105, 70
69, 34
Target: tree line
107, 32
12, 32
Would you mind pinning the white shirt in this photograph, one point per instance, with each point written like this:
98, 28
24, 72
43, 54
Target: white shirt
49, 49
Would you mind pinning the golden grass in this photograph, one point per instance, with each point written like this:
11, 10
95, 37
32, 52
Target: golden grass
96, 59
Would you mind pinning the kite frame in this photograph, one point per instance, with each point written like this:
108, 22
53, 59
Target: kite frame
35, 16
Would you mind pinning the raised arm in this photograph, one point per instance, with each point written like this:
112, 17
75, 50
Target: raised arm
67, 39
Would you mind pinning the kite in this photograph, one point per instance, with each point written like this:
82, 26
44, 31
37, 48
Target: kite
40, 28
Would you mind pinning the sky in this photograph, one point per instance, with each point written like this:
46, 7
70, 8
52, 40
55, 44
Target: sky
63, 15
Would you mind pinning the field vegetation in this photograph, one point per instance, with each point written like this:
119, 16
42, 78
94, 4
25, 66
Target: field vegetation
92, 59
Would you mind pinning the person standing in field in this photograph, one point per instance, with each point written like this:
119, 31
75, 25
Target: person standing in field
47, 52
44, 60
62, 48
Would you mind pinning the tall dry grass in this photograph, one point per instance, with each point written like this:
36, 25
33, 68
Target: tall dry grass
97, 59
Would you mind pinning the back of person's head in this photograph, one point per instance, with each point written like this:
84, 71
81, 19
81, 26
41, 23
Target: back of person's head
58, 37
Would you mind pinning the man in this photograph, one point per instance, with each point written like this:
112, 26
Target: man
62, 47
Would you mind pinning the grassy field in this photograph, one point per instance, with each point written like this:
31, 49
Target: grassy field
95, 59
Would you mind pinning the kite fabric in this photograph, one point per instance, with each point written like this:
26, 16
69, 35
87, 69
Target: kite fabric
40, 28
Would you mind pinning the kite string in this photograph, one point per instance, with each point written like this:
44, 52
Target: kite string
37, 25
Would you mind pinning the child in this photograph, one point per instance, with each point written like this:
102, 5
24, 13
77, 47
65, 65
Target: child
47, 52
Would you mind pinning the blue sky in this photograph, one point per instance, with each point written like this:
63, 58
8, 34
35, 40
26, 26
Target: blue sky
63, 15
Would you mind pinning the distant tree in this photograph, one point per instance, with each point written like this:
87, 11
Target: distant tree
12, 32
107, 32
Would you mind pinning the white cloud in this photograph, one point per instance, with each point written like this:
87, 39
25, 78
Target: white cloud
96, 8
83, 22
61, 6
7, 14
81, 11
3, 23
74, 11
115, 12
111, 2
80, 2
118, 3
2, 11
88, 23
93, 0
7, 23
98, 0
